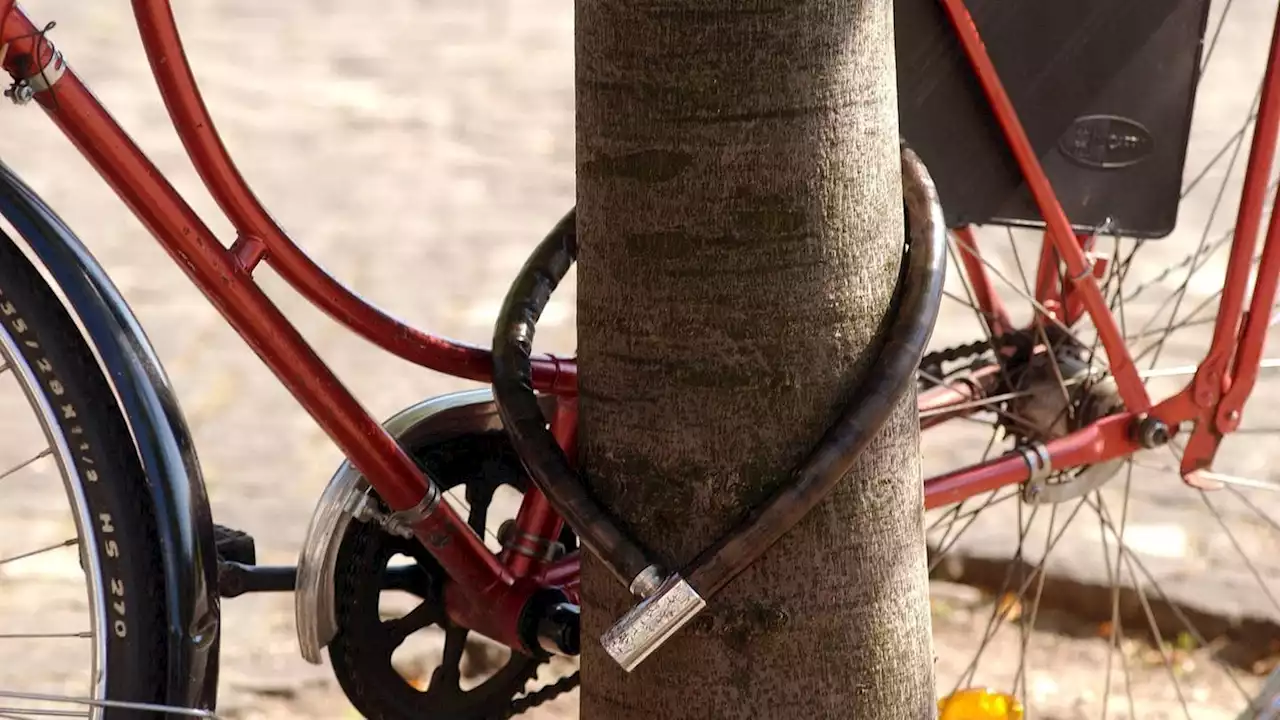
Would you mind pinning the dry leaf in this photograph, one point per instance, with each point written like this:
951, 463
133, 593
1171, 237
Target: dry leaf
1010, 607
1266, 665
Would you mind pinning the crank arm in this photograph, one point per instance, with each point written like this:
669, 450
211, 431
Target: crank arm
236, 579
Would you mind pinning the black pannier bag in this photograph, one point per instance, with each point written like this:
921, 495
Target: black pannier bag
1104, 90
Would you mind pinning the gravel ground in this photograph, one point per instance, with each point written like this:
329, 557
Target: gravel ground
418, 154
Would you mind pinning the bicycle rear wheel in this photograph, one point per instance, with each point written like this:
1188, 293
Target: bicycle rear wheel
81, 584
1115, 590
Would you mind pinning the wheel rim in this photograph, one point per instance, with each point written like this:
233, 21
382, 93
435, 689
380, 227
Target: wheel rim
21, 703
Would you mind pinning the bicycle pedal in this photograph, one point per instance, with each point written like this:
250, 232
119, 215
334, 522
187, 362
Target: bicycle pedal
234, 545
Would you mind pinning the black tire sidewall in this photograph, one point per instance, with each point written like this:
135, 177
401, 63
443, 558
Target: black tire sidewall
105, 465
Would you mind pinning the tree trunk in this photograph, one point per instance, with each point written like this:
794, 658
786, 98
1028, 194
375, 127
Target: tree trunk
740, 228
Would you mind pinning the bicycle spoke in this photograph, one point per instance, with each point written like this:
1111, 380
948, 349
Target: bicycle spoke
1257, 510
1068, 408
1236, 138
1222, 20
999, 612
994, 497
969, 518
983, 320
1020, 678
952, 296
1189, 320
1196, 260
1150, 615
92, 702
33, 553
1265, 364
472, 516
966, 283
991, 403
955, 512
38, 636
1253, 570
1025, 295
1180, 293
1117, 628
1255, 483
988, 403
25, 463
28, 713
1143, 335
1132, 560
1017, 261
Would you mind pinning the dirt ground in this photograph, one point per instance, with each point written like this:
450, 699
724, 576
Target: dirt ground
417, 152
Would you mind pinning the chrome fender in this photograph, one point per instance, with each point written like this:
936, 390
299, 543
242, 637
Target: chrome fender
420, 425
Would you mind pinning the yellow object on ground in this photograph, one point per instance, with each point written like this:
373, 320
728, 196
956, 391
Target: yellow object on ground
979, 704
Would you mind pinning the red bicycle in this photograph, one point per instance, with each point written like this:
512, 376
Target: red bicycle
1073, 383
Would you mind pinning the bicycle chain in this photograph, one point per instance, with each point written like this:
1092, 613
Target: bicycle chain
973, 349
542, 695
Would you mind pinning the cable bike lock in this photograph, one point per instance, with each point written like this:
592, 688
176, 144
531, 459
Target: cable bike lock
670, 600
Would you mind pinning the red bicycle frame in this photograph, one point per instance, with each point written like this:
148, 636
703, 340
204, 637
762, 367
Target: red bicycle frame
491, 589
224, 275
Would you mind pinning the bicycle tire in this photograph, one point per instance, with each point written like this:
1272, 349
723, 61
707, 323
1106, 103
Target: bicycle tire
104, 463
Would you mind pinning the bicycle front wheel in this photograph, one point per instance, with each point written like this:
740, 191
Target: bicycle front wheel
81, 603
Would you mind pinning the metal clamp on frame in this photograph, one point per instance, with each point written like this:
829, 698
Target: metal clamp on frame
401, 522
672, 600
1039, 469
364, 507
540, 549
24, 89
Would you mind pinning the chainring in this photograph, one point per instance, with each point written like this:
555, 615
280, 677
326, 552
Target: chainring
361, 652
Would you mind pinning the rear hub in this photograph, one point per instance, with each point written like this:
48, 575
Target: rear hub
1056, 393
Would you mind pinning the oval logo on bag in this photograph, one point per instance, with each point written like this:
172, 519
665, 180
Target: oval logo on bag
1107, 142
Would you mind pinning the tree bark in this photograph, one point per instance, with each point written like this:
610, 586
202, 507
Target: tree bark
740, 226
